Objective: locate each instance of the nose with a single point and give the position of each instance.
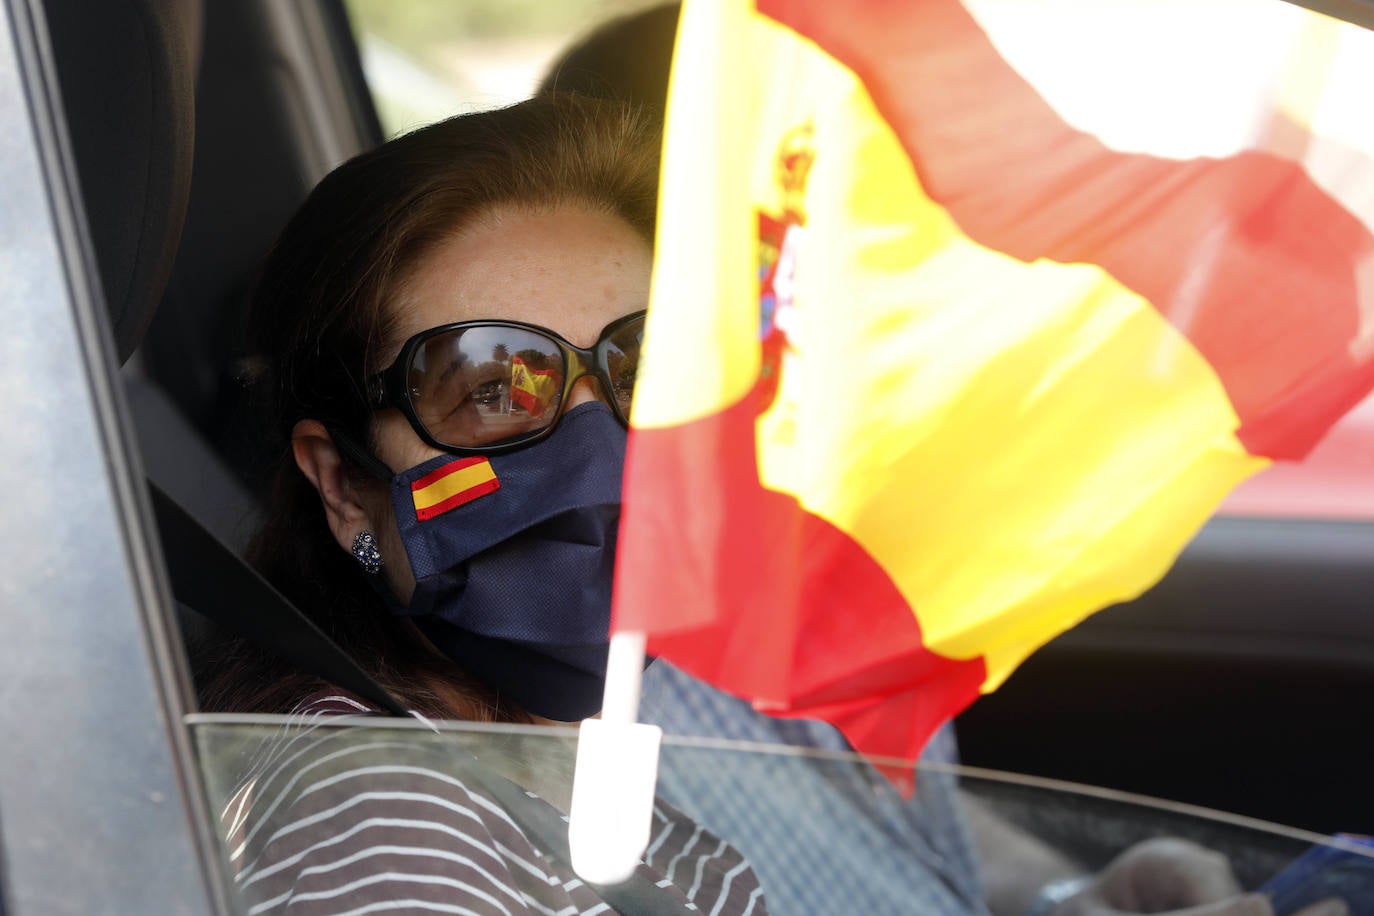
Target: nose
(587, 388)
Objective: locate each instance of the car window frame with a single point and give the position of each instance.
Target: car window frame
(101, 808)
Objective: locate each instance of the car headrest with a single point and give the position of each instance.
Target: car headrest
(126, 69)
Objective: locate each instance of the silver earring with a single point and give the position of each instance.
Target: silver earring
(366, 552)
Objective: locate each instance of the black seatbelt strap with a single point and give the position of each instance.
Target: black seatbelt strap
(541, 822)
(211, 579)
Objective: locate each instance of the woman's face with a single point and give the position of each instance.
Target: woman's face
(570, 269)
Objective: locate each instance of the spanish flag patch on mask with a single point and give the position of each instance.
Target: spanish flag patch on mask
(455, 484)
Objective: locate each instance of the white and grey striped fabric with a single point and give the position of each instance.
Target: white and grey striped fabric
(326, 823)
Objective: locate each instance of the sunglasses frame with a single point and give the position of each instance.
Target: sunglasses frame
(390, 387)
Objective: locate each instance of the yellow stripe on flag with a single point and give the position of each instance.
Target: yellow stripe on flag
(958, 373)
(1002, 520)
(453, 484)
(704, 197)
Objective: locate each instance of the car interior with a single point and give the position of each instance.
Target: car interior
(1239, 683)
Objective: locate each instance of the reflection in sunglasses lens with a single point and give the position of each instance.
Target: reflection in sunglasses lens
(622, 359)
(480, 386)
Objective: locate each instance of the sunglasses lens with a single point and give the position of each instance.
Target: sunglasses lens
(622, 359)
(483, 385)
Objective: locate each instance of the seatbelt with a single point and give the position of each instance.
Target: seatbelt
(211, 579)
(541, 822)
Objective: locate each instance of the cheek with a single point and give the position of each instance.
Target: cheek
(395, 562)
(398, 447)
(397, 570)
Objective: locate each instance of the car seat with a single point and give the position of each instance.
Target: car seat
(278, 104)
(126, 74)
(126, 70)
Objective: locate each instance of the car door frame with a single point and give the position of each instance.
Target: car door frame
(101, 809)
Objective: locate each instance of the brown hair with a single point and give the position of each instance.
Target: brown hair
(627, 58)
(321, 319)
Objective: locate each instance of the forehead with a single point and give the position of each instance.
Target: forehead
(570, 269)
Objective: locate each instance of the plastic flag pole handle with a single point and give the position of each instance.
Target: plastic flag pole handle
(613, 781)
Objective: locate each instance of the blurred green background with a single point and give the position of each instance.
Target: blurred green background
(428, 59)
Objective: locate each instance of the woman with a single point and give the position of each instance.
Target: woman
(452, 325)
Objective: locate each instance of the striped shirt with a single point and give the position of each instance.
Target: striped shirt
(348, 822)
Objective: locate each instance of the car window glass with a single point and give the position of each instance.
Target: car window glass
(1335, 480)
(424, 61)
(788, 809)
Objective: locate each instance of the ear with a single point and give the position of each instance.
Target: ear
(318, 458)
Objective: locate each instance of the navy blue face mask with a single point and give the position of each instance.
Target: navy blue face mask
(513, 559)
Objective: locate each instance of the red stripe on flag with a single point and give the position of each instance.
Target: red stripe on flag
(768, 601)
(453, 467)
(527, 401)
(1246, 256)
(490, 485)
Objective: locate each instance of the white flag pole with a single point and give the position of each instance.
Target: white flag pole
(617, 757)
(617, 767)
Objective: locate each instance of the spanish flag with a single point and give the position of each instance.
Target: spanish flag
(532, 389)
(456, 483)
(965, 318)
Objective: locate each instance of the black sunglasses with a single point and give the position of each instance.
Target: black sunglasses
(491, 386)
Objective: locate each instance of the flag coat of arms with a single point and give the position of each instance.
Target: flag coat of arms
(958, 334)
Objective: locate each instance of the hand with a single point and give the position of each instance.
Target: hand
(1179, 878)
